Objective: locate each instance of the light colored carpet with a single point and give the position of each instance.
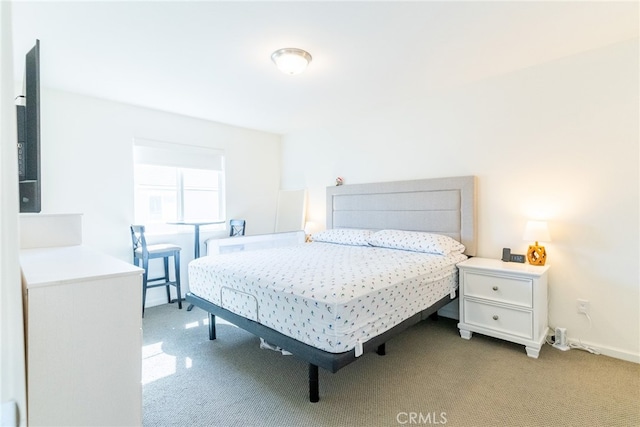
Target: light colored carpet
(430, 376)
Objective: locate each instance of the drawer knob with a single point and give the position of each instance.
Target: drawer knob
(495, 288)
(495, 317)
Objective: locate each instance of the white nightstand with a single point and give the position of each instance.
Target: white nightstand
(504, 300)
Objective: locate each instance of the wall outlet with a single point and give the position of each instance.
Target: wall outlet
(583, 306)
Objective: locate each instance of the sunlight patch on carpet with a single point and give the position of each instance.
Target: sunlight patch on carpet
(192, 325)
(156, 364)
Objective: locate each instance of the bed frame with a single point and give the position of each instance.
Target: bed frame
(442, 205)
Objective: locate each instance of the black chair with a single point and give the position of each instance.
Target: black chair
(236, 227)
(142, 253)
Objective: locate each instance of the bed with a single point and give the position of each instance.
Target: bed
(386, 261)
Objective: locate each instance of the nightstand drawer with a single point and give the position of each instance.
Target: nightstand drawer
(507, 320)
(510, 290)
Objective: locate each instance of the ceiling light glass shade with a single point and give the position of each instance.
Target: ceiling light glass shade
(291, 60)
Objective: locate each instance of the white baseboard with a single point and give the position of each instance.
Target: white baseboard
(616, 353)
(158, 296)
(451, 311)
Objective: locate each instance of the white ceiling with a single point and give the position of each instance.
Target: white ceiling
(211, 59)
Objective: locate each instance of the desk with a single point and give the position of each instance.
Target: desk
(196, 249)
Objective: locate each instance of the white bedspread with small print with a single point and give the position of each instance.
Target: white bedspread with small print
(330, 296)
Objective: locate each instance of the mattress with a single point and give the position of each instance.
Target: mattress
(330, 296)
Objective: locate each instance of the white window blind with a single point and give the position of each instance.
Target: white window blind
(160, 153)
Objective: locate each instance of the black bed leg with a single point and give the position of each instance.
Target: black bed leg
(212, 327)
(434, 316)
(314, 393)
(382, 349)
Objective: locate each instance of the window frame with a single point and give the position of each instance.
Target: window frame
(181, 158)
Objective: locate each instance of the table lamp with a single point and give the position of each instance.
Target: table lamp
(538, 232)
(310, 227)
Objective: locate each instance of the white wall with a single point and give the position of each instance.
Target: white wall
(557, 141)
(13, 386)
(87, 167)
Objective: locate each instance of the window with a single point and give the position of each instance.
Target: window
(176, 182)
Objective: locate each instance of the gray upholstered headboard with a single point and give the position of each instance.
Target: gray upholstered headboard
(440, 205)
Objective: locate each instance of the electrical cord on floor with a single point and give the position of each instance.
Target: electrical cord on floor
(580, 346)
(550, 338)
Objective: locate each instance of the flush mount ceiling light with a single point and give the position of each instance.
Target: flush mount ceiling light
(291, 60)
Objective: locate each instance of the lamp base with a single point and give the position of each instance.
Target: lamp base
(536, 255)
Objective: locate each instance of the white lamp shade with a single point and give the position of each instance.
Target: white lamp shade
(310, 227)
(291, 60)
(537, 231)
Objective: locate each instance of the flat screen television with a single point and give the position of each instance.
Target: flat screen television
(28, 127)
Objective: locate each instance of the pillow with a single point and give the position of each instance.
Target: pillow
(416, 241)
(344, 236)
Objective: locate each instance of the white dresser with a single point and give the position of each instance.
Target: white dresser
(504, 300)
(83, 327)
